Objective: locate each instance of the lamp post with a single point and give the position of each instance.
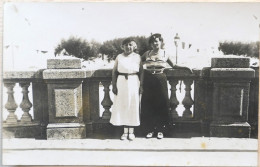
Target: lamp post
(176, 42)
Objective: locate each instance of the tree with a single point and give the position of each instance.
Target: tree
(239, 48)
(112, 48)
(78, 47)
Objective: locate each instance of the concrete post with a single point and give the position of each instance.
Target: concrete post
(64, 81)
(231, 83)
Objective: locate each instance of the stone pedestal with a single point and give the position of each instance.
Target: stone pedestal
(231, 82)
(66, 131)
(23, 130)
(240, 129)
(64, 81)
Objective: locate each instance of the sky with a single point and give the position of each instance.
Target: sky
(29, 27)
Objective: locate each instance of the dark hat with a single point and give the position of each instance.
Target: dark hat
(154, 36)
(127, 40)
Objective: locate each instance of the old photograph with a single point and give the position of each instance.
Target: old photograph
(130, 84)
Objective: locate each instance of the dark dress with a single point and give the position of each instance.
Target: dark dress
(155, 102)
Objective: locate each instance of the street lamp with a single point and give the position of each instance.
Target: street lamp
(176, 42)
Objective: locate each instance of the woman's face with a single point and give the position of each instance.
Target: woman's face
(129, 47)
(156, 44)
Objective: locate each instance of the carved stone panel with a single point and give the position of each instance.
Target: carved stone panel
(66, 102)
(231, 100)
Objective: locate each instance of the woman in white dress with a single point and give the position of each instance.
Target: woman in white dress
(127, 79)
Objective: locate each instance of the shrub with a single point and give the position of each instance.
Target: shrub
(239, 48)
(112, 48)
(78, 47)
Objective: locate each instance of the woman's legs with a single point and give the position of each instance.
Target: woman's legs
(131, 130)
(128, 131)
(155, 103)
(125, 134)
(147, 123)
(161, 105)
(131, 133)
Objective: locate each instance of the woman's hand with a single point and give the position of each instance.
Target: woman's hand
(141, 90)
(188, 69)
(183, 68)
(114, 90)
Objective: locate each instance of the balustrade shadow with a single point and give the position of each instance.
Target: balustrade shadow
(173, 131)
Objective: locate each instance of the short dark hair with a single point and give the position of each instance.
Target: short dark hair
(127, 40)
(154, 36)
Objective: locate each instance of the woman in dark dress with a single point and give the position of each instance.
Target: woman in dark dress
(155, 99)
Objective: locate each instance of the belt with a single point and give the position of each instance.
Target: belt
(126, 74)
(155, 70)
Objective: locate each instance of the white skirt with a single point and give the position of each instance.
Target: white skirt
(125, 109)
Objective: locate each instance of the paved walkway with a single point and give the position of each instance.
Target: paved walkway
(198, 151)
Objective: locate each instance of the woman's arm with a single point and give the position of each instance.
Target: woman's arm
(175, 66)
(114, 77)
(143, 57)
(141, 77)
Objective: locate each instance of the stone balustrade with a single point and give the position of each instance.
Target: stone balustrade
(26, 127)
(66, 100)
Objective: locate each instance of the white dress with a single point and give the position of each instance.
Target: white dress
(125, 109)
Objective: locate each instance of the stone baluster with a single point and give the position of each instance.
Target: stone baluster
(106, 102)
(10, 104)
(25, 104)
(173, 99)
(187, 101)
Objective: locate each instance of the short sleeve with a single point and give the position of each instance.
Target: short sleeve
(139, 58)
(116, 62)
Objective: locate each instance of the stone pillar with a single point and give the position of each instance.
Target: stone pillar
(40, 105)
(231, 82)
(64, 82)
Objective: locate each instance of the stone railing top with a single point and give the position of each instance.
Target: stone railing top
(64, 62)
(232, 73)
(204, 72)
(256, 71)
(65, 74)
(102, 73)
(106, 73)
(23, 74)
(230, 62)
(178, 73)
